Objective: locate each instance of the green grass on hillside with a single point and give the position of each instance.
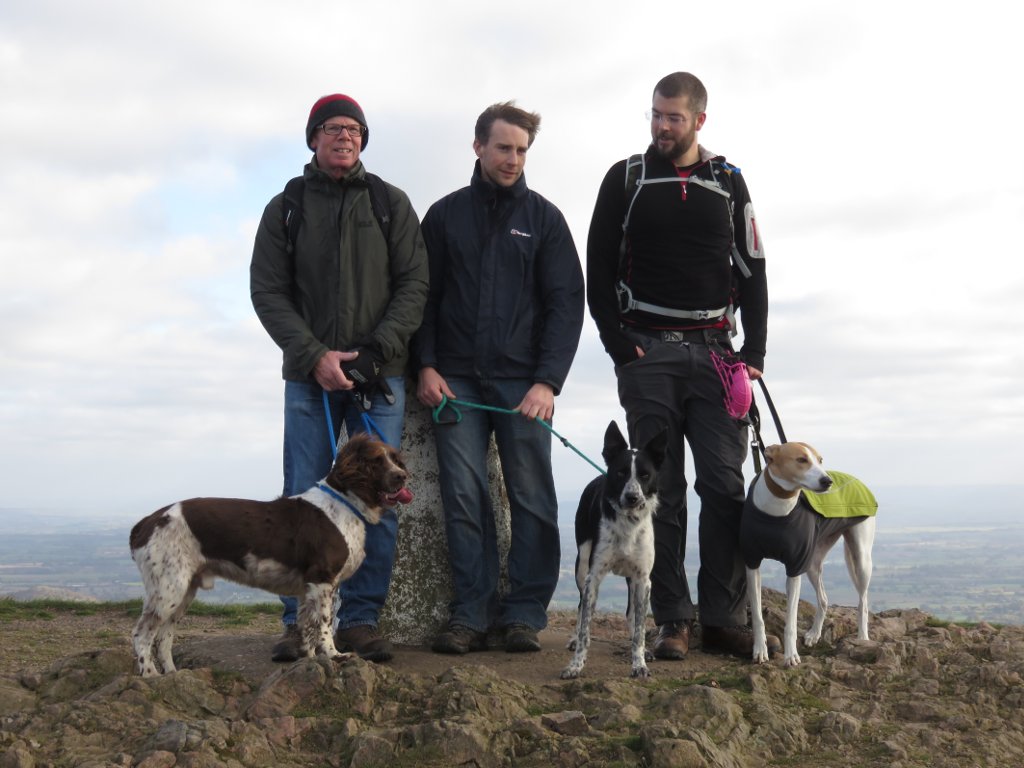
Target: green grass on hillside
(12, 610)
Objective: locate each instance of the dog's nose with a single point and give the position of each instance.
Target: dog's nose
(631, 498)
(826, 482)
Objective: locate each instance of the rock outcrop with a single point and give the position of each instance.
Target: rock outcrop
(919, 694)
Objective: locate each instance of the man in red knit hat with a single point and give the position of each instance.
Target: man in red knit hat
(339, 281)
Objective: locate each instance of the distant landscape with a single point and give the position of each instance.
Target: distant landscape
(956, 553)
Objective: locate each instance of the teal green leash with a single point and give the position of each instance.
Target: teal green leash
(453, 406)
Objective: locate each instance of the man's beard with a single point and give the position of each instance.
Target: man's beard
(677, 149)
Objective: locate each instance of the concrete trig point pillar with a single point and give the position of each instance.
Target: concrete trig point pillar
(421, 586)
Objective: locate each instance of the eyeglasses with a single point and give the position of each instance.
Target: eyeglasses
(335, 129)
(656, 117)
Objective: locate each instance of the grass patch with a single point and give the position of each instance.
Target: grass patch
(46, 609)
(11, 609)
(633, 743)
(321, 704)
(736, 682)
(931, 621)
(224, 680)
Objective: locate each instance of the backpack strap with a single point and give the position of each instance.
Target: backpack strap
(729, 170)
(381, 204)
(636, 179)
(291, 213)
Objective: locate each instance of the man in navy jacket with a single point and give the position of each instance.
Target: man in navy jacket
(501, 327)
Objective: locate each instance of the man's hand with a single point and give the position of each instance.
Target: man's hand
(432, 388)
(539, 402)
(328, 373)
(753, 373)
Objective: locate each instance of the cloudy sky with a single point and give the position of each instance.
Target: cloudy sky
(140, 142)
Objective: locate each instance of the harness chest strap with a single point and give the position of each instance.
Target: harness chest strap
(711, 185)
(627, 303)
(625, 295)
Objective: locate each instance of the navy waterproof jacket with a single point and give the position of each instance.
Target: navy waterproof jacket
(506, 286)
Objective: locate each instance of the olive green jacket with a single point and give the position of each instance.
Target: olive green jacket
(343, 286)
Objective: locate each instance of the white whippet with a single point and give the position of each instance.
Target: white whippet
(780, 525)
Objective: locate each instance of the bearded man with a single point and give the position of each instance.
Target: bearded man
(673, 252)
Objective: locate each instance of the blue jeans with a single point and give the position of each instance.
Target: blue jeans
(307, 460)
(524, 449)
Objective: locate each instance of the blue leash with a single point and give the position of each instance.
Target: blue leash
(452, 405)
(368, 425)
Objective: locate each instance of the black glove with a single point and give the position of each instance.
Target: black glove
(365, 372)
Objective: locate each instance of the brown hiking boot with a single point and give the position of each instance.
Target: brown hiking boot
(366, 641)
(459, 639)
(672, 641)
(735, 641)
(520, 638)
(289, 646)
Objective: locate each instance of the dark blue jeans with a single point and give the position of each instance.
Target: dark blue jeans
(524, 448)
(307, 460)
(675, 385)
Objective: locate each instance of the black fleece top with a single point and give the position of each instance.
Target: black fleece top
(678, 254)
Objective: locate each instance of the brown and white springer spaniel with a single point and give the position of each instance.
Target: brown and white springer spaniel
(301, 545)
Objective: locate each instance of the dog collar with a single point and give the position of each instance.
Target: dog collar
(777, 490)
(335, 495)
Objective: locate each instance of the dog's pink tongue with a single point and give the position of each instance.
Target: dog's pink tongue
(404, 496)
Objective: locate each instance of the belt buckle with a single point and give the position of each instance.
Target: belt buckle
(672, 336)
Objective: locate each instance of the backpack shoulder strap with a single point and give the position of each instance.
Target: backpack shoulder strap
(291, 214)
(636, 167)
(722, 173)
(381, 203)
(636, 172)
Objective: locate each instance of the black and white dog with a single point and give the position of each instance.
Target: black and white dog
(301, 545)
(614, 533)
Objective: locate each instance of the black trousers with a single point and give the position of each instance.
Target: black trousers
(675, 385)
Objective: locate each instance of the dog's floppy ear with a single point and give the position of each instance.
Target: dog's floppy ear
(614, 442)
(769, 453)
(656, 447)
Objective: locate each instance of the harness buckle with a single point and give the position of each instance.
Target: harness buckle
(625, 297)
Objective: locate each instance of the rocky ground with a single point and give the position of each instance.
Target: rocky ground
(918, 694)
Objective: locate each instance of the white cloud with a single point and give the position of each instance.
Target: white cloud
(140, 143)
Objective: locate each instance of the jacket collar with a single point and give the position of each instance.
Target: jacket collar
(490, 191)
(313, 173)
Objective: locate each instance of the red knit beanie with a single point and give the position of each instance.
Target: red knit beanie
(335, 105)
